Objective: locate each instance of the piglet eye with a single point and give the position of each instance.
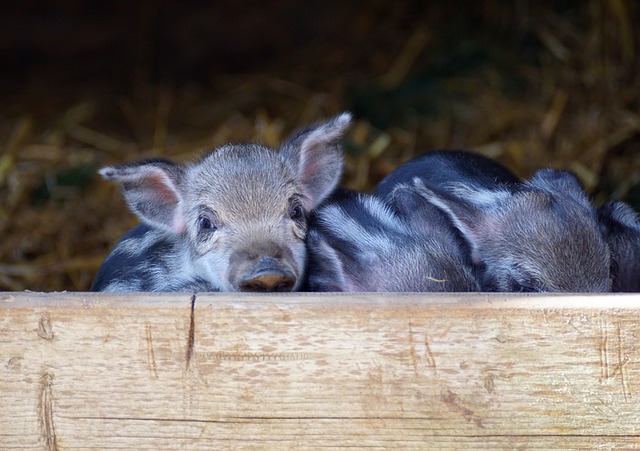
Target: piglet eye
(296, 213)
(206, 224)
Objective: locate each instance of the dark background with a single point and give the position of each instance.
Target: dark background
(85, 84)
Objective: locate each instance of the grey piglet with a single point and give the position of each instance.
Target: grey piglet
(234, 221)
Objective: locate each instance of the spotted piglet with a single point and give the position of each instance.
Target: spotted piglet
(539, 235)
(357, 242)
(234, 221)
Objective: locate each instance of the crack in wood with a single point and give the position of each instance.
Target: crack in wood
(259, 357)
(604, 355)
(45, 330)
(381, 419)
(623, 359)
(192, 331)
(607, 370)
(151, 358)
(45, 412)
(412, 351)
(431, 360)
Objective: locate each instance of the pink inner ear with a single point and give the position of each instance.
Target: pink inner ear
(314, 175)
(310, 160)
(309, 167)
(164, 188)
(179, 225)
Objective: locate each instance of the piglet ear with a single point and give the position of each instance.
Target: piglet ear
(470, 210)
(563, 183)
(412, 205)
(151, 189)
(316, 157)
(620, 214)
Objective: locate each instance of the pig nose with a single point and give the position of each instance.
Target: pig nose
(269, 281)
(267, 275)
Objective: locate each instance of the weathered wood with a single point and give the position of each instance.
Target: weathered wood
(402, 371)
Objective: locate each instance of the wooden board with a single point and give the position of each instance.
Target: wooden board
(314, 371)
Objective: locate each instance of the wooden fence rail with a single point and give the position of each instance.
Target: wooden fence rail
(314, 371)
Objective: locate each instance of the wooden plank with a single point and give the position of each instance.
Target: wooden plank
(314, 371)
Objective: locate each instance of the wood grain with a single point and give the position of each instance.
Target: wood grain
(314, 371)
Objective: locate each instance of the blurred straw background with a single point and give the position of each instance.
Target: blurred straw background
(85, 84)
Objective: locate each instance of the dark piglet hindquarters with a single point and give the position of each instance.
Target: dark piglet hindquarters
(357, 243)
(234, 221)
(536, 235)
(620, 225)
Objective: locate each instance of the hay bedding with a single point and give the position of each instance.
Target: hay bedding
(531, 84)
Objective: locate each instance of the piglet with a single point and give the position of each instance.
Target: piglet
(537, 235)
(357, 242)
(234, 221)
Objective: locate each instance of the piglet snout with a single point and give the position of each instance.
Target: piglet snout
(267, 275)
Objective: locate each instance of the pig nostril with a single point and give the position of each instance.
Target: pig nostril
(269, 281)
